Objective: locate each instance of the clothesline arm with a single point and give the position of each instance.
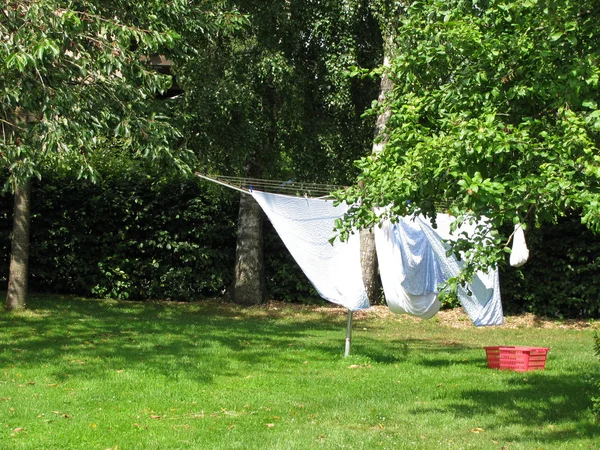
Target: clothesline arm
(243, 191)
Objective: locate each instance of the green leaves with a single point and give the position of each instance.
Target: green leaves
(18, 61)
(74, 75)
(46, 47)
(494, 113)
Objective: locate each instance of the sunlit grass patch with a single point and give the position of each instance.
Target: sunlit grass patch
(81, 374)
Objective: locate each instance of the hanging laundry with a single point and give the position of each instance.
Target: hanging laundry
(408, 268)
(519, 253)
(305, 226)
(481, 298)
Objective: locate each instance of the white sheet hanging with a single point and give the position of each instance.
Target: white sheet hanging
(305, 226)
(408, 269)
(413, 264)
(483, 303)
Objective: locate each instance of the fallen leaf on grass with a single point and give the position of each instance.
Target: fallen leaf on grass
(18, 430)
(153, 416)
(358, 366)
(269, 425)
(477, 430)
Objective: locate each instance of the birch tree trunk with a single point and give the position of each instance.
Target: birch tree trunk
(368, 253)
(249, 284)
(19, 256)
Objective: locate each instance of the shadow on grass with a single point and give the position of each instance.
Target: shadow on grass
(88, 338)
(428, 352)
(195, 339)
(539, 400)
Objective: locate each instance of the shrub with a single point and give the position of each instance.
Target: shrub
(561, 277)
(135, 234)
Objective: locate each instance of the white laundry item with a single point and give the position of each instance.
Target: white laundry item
(305, 226)
(519, 253)
(408, 269)
(481, 299)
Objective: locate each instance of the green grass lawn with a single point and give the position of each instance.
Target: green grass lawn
(85, 374)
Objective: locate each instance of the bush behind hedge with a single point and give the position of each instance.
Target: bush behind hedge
(134, 239)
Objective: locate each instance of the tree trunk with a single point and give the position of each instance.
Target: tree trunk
(385, 86)
(249, 285)
(19, 257)
(368, 253)
(370, 267)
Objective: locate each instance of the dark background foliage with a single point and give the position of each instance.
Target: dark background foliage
(141, 235)
(561, 277)
(132, 235)
(137, 234)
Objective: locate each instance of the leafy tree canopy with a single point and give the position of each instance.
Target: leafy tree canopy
(76, 76)
(494, 114)
(277, 95)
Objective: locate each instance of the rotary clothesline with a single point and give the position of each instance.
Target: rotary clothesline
(406, 258)
(333, 269)
(288, 187)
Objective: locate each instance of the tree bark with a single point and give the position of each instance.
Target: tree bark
(249, 284)
(19, 256)
(386, 85)
(368, 253)
(370, 267)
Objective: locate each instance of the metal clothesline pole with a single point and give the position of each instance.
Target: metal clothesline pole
(348, 334)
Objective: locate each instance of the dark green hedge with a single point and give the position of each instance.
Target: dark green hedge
(141, 236)
(131, 235)
(131, 238)
(561, 278)
(137, 235)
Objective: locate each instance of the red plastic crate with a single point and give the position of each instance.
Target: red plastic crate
(519, 359)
